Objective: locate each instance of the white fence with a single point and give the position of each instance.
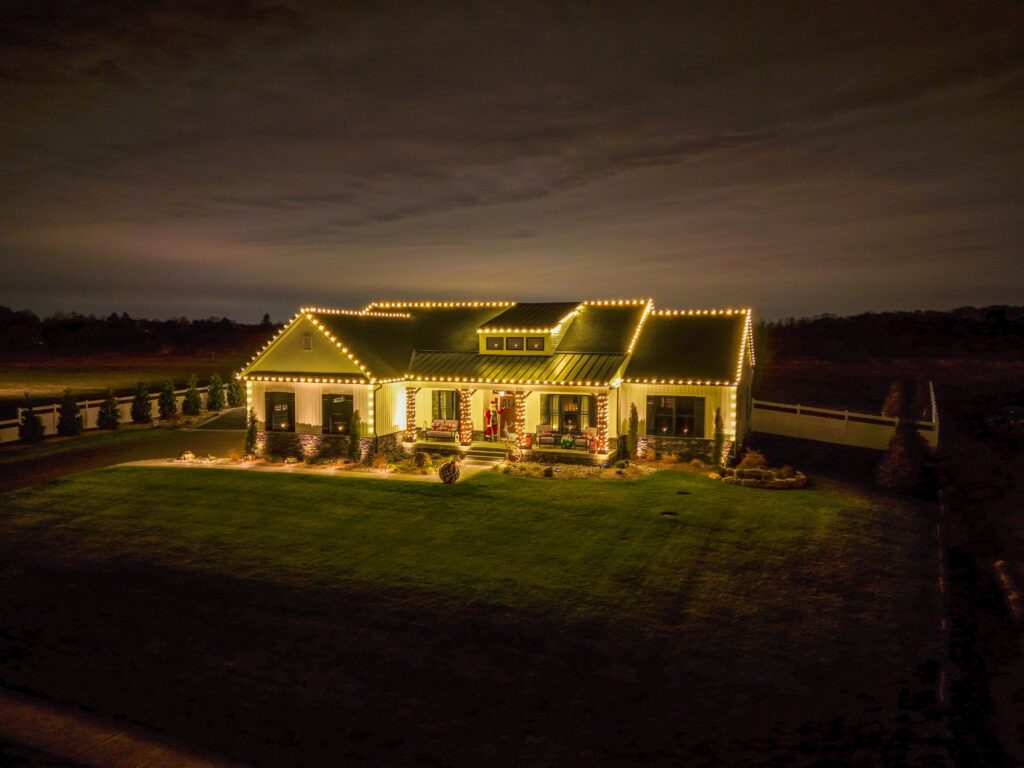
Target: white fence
(825, 425)
(90, 412)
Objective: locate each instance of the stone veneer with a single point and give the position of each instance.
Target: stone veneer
(300, 446)
(695, 447)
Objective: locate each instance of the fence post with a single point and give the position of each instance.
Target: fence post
(798, 409)
(54, 419)
(85, 415)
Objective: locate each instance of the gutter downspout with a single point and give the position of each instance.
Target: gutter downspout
(376, 438)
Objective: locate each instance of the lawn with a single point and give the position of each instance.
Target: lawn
(671, 616)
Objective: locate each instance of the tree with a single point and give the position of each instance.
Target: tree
(250, 433)
(70, 420)
(265, 322)
(633, 431)
(215, 393)
(30, 428)
(167, 403)
(193, 402)
(109, 416)
(354, 433)
(236, 393)
(141, 408)
(719, 443)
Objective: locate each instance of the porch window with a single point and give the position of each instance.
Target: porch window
(514, 342)
(444, 404)
(568, 413)
(675, 416)
(337, 414)
(279, 413)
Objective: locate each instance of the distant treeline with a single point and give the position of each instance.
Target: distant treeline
(70, 332)
(990, 333)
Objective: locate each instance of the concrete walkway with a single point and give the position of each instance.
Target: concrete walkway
(469, 468)
(87, 740)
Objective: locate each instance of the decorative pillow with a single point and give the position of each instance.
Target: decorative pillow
(543, 429)
(436, 426)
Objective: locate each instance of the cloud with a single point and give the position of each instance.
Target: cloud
(274, 133)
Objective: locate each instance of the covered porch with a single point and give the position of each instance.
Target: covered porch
(545, 420)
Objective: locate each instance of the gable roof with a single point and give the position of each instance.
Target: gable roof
(439, 341)
(691, 345)
(535, 316)
(603, 328)
(385, 341)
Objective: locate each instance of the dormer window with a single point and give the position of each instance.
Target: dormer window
(535, 343)
(514, 343)
(495, 343)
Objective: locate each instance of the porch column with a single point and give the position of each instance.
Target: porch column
(520, 417)
(602, 422)
(465, 416)
(410, 414)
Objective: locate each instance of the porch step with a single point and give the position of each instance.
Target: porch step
(486, 453)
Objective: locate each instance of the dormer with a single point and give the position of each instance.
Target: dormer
(527, 329)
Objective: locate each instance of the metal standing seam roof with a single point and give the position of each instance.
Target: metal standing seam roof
(534, 315)
(566, 366)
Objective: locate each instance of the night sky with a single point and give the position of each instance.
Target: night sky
(231, 158)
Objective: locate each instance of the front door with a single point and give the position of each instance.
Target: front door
(508, 416)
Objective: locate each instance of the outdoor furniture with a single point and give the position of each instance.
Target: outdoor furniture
(583, 441)
(443, 429)
(544, 435)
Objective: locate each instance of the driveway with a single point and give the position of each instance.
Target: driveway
(157, 444)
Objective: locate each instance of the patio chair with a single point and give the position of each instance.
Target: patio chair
(545, 435)
(583, 440)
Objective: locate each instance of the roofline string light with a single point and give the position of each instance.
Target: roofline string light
(640, 325)
(264, 348)
(356, 312)
(436, 304)
(337, 342)
(553, 329)
(464, 380)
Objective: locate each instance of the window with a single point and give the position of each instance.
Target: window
(535, 343)
(307, 341)
(669, 416)
(514, 342)
(279, 414)
(337, 414)
(444, 404)
(495, 343)
(568, 414)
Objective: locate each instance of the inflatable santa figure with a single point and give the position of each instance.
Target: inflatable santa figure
(492, 421)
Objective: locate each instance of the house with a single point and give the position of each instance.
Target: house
(562, 376)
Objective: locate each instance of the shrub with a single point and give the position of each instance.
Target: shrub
(167, 403)
(719, 442)
(697, 464)
(233, 456)
(109, 416)
(236, 393)
(30, 428)
(355, 432)
(70, 420)
(193, 402)
(421, 459)
(786, 471)
(215, 393)
(141, 408)
(633, 431)
(331, 450)
(549, 471)
(291, 460)
(381, 461)
(621, 464)
(250, 432)
(753, 460)
(902, 467)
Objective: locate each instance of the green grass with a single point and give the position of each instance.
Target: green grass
(751, 624)
(810, 563)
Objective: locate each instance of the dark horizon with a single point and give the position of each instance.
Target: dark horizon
(182, 159)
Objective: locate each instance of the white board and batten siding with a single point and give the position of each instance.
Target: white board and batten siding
(309, 401)
(714, 397)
